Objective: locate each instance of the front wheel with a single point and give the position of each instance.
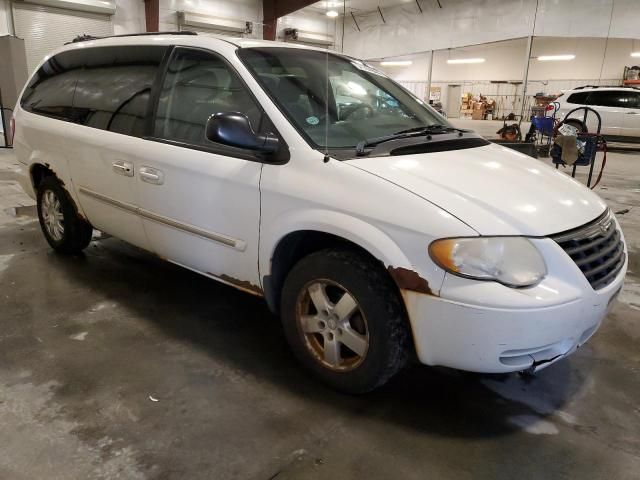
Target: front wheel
(344, 320)
(63, 228)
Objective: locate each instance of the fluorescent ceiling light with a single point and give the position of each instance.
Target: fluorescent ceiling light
(332, 13)
(635, 54)
(554, 58)
(457, 61)
(396, 63)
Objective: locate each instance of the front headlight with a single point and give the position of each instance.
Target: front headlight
(512, 261)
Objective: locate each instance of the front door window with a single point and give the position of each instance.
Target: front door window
(198, 85)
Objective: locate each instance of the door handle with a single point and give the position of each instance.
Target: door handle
(123, 168)
(151, 175)
(633, 113)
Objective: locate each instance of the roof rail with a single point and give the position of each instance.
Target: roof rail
(86, 38)
(588, 86)
(604, 86)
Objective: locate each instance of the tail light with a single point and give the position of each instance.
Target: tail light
(549, 108)
(12, 130)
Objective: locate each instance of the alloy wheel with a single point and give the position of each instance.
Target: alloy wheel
(333, 325)
(52, 215)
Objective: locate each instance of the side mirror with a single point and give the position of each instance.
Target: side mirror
(234, 129)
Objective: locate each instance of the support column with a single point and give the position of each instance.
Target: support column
(152, 15)
(269, 29)
(525, 76)
(272, 10)
(429, 76)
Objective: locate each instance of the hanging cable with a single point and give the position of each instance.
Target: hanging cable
(344, 16)
(606, 44)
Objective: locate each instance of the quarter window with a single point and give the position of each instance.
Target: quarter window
(198, 85)
(50, 91)
(108, 88)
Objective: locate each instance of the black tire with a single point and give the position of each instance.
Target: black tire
(76, 233)
(582, 128)
(378, 303)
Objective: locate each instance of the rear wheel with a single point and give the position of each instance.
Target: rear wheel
(581, 127)
(63, 228)
(344, 320)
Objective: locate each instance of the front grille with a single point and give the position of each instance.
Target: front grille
(596, 248)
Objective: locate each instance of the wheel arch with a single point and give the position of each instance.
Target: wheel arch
(576, 121)
(37, 172)
(344, 232)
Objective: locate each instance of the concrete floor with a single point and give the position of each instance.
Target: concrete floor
(117, 365)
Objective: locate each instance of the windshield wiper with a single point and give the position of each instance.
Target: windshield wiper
(408, 133)
(436, 127)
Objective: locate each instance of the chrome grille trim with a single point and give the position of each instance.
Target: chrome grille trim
(596, 248)
(589, 230)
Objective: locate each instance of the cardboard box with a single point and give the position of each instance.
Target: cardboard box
(478, 114)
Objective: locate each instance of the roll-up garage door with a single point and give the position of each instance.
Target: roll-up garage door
(208, 32)
(45, 28)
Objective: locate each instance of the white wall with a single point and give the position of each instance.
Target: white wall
(417, 71)
(129, 17)
(248, 10)
(469, 22)
(5, 18)
(308, 21)
(504, 61)
(589, 52)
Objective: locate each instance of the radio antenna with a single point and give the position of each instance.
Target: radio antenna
(326, 110)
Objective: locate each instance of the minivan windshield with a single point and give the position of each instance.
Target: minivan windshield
(336, 101)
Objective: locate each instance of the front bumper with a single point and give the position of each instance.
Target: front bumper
(487, 327)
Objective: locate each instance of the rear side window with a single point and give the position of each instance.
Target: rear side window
(114, 87)
(108, 88)
(578, 98)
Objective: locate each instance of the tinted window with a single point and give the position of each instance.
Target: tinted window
(114, 87)
(579, 98)
(197, 85)
(104, 87)
(613, 98)
(50, 91)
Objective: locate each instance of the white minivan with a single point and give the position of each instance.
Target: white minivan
(618, 107)
(370, 225)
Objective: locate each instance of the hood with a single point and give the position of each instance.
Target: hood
(493, 189)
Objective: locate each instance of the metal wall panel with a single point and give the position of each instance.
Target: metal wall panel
(206, 32)
(47, 28)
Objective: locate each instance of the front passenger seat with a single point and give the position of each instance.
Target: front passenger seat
(295, 102)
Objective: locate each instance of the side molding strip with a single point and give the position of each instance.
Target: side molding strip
(216, 237)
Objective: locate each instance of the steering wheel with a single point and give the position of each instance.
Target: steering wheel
(364, 110)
